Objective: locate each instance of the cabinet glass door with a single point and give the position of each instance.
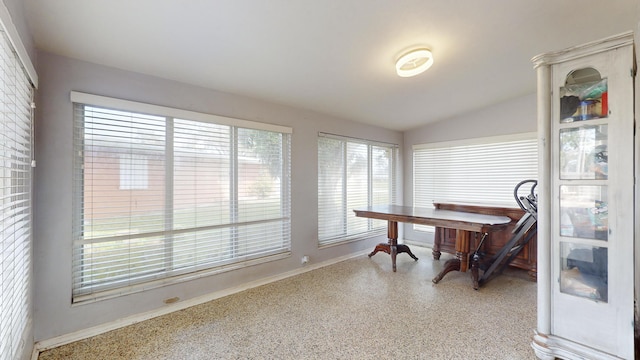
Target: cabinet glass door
(583, 271)
(585, 96)
(583, 160)
(584, 214)
(592, 233)
(584, 152)
(584, 211)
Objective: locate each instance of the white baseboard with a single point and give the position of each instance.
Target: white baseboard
(130, 320)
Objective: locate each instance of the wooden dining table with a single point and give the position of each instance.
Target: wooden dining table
(466, 225)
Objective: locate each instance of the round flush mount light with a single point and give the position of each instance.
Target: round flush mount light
(414, 62)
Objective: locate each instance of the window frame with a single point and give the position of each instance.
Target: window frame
(373, 227)
(85, 291)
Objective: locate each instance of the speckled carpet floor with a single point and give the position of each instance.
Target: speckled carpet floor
(356, 309)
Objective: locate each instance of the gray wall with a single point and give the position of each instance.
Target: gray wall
(510, 117)
(54, 314)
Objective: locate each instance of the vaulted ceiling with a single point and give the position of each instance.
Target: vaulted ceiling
(333, 56)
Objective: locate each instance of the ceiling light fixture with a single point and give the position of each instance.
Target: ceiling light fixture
(414, 62)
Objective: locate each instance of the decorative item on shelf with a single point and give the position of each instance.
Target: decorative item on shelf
(588, 109)
(568, 106)
(584, 101)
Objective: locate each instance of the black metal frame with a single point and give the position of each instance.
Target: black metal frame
(523, 232)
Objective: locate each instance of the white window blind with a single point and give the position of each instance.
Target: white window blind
(352, 173)
(15, 228)
(134, 172)
(201, 197)
(477, 171)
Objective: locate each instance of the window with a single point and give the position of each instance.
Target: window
(352, 173)
(15, 185)
(159, 198)
(477, 171)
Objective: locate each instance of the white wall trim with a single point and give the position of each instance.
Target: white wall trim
(14, 37)
(120, 323)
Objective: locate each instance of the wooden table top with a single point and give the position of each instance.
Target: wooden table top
(435, 217)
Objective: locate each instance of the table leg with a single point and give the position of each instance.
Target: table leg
(461, 262)
(405, 249)
(392, 248)
(462, 249)
(437, 240)
(449, 265)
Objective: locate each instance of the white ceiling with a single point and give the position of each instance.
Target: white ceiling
(332, 56)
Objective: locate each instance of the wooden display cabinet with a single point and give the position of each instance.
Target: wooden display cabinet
(586, 206)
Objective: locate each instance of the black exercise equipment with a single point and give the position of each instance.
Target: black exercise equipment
(524, 231)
